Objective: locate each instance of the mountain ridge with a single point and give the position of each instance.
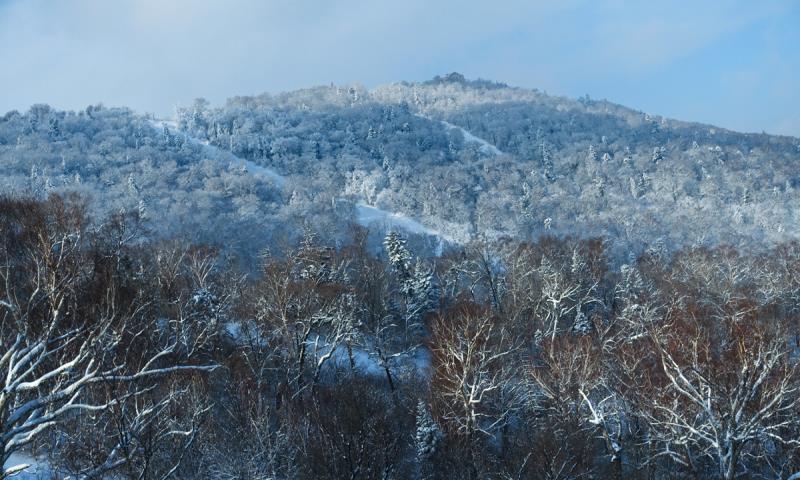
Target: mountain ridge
(529, 93)
(464, 158)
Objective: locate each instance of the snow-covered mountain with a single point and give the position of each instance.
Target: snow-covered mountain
(448, 279)
(448, 160)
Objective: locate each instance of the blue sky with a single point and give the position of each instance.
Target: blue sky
(733, 63)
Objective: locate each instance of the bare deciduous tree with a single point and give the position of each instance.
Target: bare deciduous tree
(474, 371)
(716, 390)
(67, 325)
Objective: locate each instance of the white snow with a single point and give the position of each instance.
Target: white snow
(454, 233)
(37, 469)
(416, 361)
(485, 147)
(160, 123)
(214, 152)
(367, 215)
(234, 329)
(258, 170)
(245, 332)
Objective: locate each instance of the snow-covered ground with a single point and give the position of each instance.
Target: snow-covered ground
(485, 147)
(373, 217)
(37, 469)
(224, 156)
(415, 361)
(366, 215)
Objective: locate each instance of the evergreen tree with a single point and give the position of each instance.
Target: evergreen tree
(658, 154)
(592, 153)
(426, 440)
(581, 325)
(399, 257)
(142, 209)
(166, 136)
(420, 291)
(54, 130)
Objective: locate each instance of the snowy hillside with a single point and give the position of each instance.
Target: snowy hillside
(449, 279)
(450, 157)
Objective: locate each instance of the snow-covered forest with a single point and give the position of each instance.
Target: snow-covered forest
(497, 161)
(448, 279)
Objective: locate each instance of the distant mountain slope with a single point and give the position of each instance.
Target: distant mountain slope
(456, 157)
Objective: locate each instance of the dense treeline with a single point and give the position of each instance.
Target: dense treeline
(131, 357)
(467, 159)
(550, 165)
(128, 164)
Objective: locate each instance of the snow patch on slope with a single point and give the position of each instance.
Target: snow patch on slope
(34, 468)
(416, 361)
(447, 233)
(485, 147)
(223, 156)
(366, 215)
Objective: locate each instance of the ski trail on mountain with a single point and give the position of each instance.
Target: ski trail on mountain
(485, 147)
(224, 155)
(366, 215)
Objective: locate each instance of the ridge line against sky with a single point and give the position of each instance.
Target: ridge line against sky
(735, 64)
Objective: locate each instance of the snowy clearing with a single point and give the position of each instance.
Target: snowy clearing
(454, 233)
(416, 361)
(485, 147)
(223, 155)
(366, 215)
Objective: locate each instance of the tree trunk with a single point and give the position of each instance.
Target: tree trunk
(389, 377)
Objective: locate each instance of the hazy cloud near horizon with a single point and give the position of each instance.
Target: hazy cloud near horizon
(731, 63)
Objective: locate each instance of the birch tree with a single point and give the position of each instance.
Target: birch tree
(68, 325)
